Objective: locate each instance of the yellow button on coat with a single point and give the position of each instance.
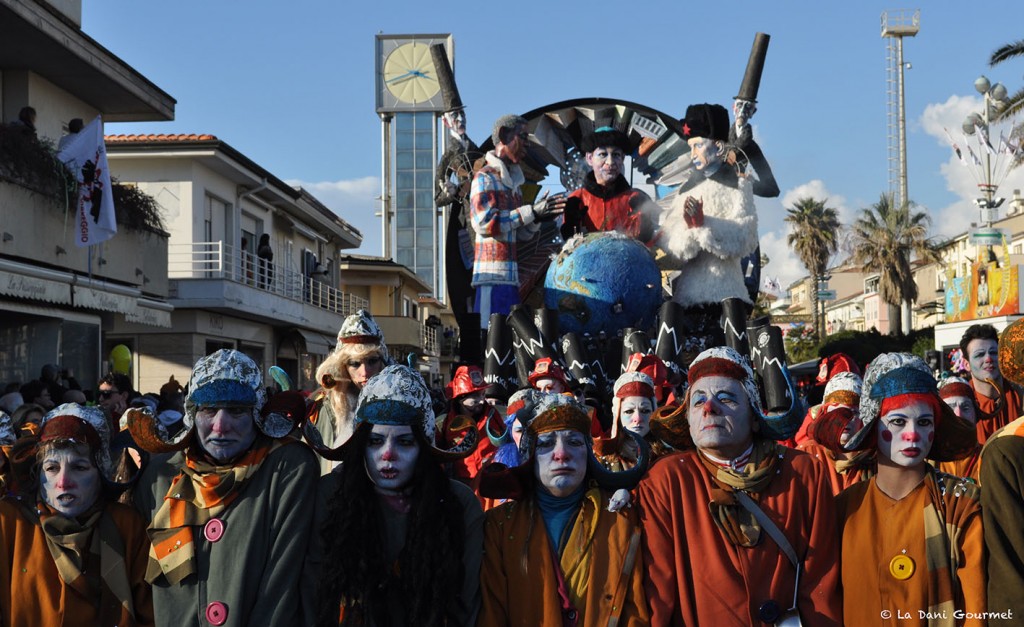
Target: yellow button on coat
(901, 567)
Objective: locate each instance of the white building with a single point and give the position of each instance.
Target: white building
(217, 203)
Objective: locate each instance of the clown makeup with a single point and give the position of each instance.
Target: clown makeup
(561, 461)
(68, 480)
(720, 416)
(607, 163)
(852, 427)
(474, 404)
(225, 432)
(635, 414)
(391, 455)
(906, 434)
(549, 384)
(963, 407)
(705, 153)
(360, 370)
(983, 357)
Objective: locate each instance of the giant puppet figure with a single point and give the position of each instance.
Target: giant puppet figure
(454, 175)
(710, 227)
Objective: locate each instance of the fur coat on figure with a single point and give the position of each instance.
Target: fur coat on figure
(708, 256)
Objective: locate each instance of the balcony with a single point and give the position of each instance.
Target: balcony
(215, 275)
(409, 334)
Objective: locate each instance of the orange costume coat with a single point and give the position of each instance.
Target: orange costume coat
(1009, 412)
(32, 593)
(696, 576)
(876, 529)
(839, 481)
(518, 583)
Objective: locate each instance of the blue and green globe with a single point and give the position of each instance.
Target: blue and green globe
(603, 282)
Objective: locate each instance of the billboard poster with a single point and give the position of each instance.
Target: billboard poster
(987, 292)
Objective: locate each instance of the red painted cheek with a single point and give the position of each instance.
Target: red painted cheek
(887, 436)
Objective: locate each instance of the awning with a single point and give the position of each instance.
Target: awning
(151, 312)
(315, 343)
(35, 288)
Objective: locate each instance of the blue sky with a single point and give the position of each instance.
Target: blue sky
(291, 85)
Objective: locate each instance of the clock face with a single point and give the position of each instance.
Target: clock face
(409, 74)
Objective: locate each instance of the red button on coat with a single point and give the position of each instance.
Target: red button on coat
(214, 529)
(217, 613)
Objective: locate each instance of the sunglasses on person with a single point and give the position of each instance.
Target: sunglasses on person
(108, 393)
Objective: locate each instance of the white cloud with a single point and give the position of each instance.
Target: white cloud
(816, 189)
(962, 180)
(355, 201)
(783, 263)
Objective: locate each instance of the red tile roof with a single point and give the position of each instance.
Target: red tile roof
(180, 137)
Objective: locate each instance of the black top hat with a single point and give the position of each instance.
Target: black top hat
(706, 120)
(445, 76)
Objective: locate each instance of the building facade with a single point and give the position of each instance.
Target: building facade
(281, 309)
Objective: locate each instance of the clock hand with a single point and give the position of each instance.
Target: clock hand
(392, 80)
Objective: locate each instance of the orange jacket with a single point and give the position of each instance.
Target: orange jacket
(33, 594)
(518, 583)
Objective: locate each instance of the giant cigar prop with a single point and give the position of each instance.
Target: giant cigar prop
(782, 407)
(499, 360)
(734, 324)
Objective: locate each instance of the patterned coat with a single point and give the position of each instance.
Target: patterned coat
(499, 220)
(253, 568)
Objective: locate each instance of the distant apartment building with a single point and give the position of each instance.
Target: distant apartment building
(219, 205)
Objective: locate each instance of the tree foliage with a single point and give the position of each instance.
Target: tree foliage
(814, 237)
(1005, 53)
(885, 240)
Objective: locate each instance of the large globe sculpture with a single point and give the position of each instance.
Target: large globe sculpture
(603, 282)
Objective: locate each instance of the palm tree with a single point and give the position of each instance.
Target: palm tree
(814, 237)
(885, 238)
(1009, 51)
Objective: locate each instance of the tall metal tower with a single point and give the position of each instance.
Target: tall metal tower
(896, 25)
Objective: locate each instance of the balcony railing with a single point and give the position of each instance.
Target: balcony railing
(217, 260)
(429, 340)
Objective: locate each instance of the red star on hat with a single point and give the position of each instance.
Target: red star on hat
(686, 130)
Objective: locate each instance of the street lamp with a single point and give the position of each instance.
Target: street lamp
(995, 101)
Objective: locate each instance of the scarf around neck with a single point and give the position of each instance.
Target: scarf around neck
(91, 539)
(201, 491)
(737, 524)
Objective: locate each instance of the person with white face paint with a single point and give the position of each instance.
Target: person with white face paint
(69, 553)
(998, 401)
(740, 575)
(957, 393)
(359, 355)
(837, 417)
(633, 405)
(911, 536)
(554, 554)
(230, 498)
(396, 541)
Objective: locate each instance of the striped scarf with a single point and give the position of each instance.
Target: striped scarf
(95, 542)
(201, 491)
(951, 506)
(737, 524)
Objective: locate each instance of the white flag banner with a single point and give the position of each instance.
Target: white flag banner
(86, 157)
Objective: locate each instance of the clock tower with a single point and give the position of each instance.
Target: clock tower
(409, 103)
